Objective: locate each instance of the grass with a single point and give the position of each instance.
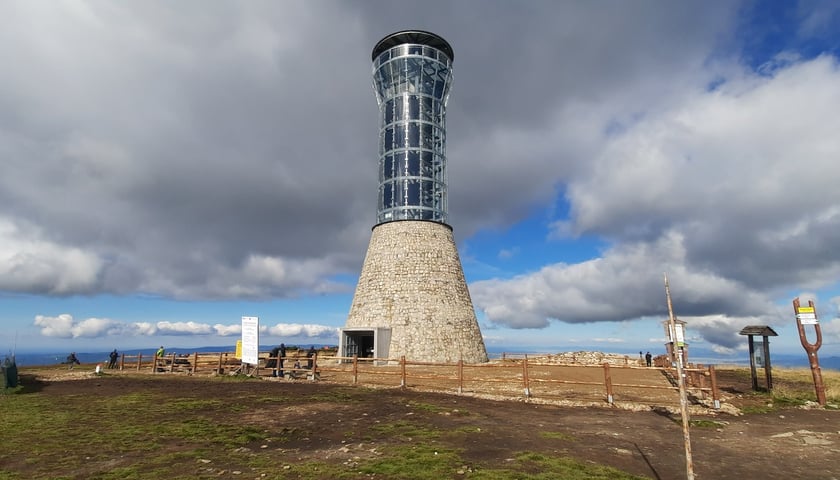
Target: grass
(792, 387)
(152, 434)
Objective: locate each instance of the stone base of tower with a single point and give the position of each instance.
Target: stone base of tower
(413, 297)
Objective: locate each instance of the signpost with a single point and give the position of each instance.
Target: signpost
(808, 316)
(677, 336)
(251, 340)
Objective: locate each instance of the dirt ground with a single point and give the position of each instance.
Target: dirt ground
(789, 443)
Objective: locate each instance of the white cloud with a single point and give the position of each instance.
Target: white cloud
(29, 262)
(732, 192)
(64, 326)
(285, 330)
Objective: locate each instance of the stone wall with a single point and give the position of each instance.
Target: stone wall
(412, 282)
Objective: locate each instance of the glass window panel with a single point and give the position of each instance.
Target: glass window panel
(414, 135)
(426, 165)
(389, 111)
(388, 195)
(415, 50)
(399, 164)
(428, 109)
(399, 136)
(389, 139)
(412, 196)
(428, 136)
(439, 89)
(388, 167)
(413, 107)
(413, 165)
(428, 192)
(398, 109)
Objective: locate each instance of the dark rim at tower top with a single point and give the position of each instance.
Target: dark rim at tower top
(421, 37)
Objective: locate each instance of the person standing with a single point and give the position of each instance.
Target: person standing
(309, 355)
(113, 356)
(272, 360)
(281, 355)
(648, 358)
(160, 352)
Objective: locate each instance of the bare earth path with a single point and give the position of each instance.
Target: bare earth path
(787, 444)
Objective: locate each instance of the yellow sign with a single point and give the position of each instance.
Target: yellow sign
(238, 353)
(805, 310)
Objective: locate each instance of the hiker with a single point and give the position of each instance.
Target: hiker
(309, 354)
(281, 355)
(272, 360)
(160, 352)
(113, 356)
(648, 358)
(72, 360)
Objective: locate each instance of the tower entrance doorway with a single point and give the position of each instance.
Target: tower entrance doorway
(364, 342)
(359, 344)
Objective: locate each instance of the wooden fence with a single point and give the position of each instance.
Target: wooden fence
(509, 377)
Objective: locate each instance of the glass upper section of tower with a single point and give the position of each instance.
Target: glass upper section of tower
(412, 75)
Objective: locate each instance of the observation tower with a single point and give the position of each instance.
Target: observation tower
(412, 299)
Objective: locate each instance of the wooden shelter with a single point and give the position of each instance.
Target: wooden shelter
(764, 331)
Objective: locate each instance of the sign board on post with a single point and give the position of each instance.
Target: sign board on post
(807, 316)
(251, 340)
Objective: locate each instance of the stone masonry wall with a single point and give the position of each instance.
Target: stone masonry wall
(412, 282)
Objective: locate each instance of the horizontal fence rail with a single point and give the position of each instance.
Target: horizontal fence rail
(525, 376)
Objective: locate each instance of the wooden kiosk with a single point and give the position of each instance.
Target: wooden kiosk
(765, 332)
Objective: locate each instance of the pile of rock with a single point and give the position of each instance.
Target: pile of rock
(585, 358)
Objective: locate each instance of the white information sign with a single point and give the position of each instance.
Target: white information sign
(251, 340)
(807, 316)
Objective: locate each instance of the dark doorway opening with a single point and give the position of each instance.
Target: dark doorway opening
(358, 343)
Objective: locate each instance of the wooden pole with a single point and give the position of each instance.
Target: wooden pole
(713, 378)
(402, 372)
(460, 376)
(608, 383)
(355, 369)
(753, 374)
(689, 464)
(811, 349)
(525, 379)
(768, 375)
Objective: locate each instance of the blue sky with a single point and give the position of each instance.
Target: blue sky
(171, 167)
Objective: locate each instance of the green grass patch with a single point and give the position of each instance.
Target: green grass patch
(543, 467)
(557, 436)
(417, 461)
(706, 423)
(405, 430)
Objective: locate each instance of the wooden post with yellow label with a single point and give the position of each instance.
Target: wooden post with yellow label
(808, 316)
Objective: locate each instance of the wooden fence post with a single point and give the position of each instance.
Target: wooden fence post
(172, 364)
(194, 363)
(219, 369)
(525, 379)
(139, 360)
(608, 383)
(355, 369)
(402, 372)
(460, 376)
(122, 362)
(713, 378)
